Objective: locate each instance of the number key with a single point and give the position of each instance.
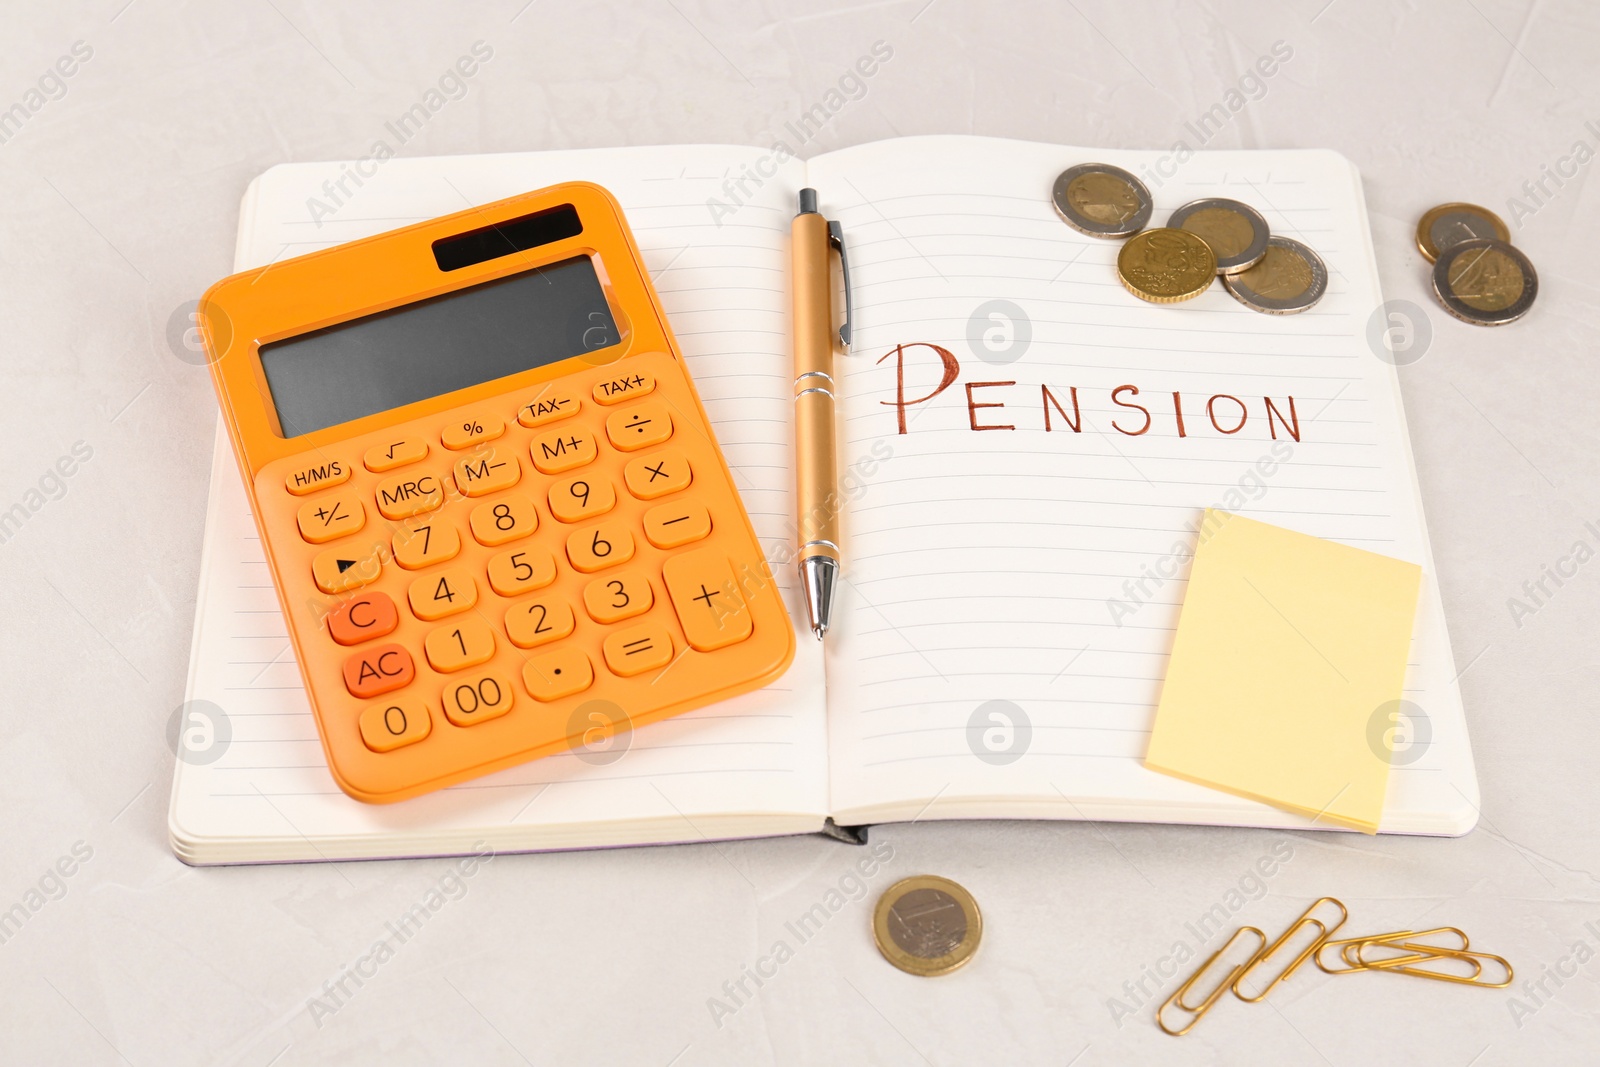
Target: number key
(522, 571)
(334, 516)
(504, 520)
(467, 643)
(597, 547)
(621, 597)
(434, 596)
(474, 700)
(538, 622)
(422, 546)
(582, 498)
(386, 727)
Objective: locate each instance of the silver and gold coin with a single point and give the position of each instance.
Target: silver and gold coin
(1485, 282)
(1236, 232)
(1101, 200)
(1166, 265)
(1450, 224)
(1290, 278)
(927, 925)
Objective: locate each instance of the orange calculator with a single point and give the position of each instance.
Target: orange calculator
(495, 512)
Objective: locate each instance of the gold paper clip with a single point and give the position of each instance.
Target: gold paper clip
(1408, 964)
(1352, 964)
(1310, 950)
(1222, 986)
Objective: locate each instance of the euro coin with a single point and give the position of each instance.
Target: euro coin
(927, 925)
(1485, 282)
(1101, 200)
(1165, 265)
(1236, 232)
(1289, 279)
(1450, 224)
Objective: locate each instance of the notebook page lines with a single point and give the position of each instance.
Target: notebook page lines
(1027, 537)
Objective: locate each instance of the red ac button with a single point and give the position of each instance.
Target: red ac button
(378, 670)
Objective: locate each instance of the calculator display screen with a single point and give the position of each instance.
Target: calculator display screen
(437, 346)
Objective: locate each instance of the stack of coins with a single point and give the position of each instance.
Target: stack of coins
(1477, 275)
(1202, 240)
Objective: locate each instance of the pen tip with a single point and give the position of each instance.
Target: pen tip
(819, 629)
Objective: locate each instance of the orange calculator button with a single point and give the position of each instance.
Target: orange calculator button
(504, 520)
(622, 597)
(424, 545)
(597, 547)
(363, 618)
(576, 499)
(474, 700)
(552, 405)
(488, 470)
(658, 474)
(321, 474)
(557, 674)
(386, 727)
(679, 523)
(707, 599)
(392, 454)
(640, 426)
(623, 387)
(332, 516)
(643, 648)
(446, 592)
(521, 571)
(538, 622)
(336, 570)
(379, 669)
(472, 430)
(401, 496)
(455, 647)
(562, 450)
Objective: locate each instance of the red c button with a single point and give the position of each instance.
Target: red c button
(363, 618)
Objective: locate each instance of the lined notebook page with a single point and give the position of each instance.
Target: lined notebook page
(1043, 568)
(762, 754)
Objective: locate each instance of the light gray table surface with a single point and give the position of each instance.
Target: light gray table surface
(121, 191)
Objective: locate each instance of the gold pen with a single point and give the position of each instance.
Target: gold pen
(815, 455)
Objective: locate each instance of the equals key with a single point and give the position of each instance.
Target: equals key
(639, 649)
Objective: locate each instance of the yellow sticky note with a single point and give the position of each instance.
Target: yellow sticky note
(1287, 648)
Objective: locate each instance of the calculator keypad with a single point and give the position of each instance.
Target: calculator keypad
(486, 571)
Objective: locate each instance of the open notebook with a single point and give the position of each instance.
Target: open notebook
(1010, 595)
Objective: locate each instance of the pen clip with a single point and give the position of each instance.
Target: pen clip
(836, 239)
